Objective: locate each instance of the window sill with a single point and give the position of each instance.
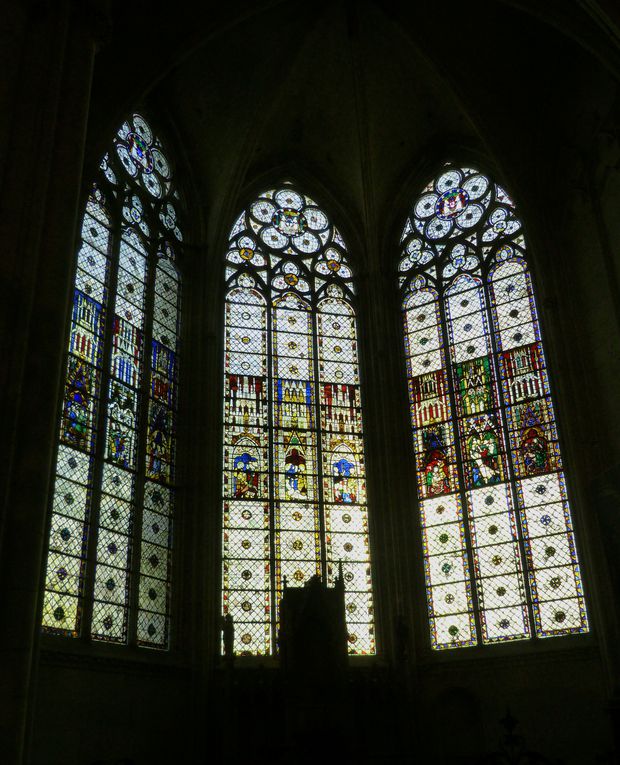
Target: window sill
(521, 652)
(80, 652)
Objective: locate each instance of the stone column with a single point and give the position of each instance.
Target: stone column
(42, 137)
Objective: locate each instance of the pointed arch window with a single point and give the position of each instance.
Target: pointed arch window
(294, 497)
(109, 548)
(499, 550)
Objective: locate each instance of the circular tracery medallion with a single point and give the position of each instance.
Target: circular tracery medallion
(289, 222)
(140, 152)
(451, 203)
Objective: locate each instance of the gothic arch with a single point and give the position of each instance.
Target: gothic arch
(292, 386)
(109, 550)
(499, 551)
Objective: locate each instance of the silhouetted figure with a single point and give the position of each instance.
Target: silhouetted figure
(228, 630)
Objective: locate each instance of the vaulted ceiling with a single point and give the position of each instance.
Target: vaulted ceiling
(357, 99)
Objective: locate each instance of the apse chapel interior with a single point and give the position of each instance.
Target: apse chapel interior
(310, 290)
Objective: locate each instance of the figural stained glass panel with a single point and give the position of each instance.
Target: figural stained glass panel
(499, 550)
(294, 502)
(108, 567)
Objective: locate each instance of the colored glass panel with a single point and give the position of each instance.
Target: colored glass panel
(247, 523)
(72, 498)
(446, 566)
(344, 480)
(295, 467)
(114, 549)
(555, 578)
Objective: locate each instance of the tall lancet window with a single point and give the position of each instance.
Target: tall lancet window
(108, 565)
(294, 497)
(499, 550)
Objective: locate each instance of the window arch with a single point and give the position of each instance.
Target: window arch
(108, 564)
(499, 551)
(294, 497)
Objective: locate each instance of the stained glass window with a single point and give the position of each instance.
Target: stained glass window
(294, 502)
(499, 550)
(108, 565)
